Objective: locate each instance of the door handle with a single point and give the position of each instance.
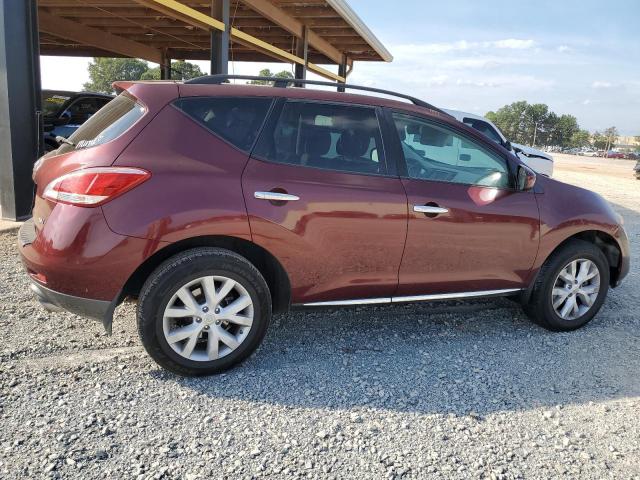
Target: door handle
(432, 209)
(275, 196)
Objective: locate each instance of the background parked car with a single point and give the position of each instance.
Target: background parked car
(63, 112)
(538, 160)
(612, 154)
(637, 170)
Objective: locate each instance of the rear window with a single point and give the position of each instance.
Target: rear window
(108, 123)
(236, 120)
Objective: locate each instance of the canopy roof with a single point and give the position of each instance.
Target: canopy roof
(156, 29)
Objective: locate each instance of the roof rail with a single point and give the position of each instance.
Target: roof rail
(284, 82)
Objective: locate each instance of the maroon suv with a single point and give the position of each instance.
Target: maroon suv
(216, 205)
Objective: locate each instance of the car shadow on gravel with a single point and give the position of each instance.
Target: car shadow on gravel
(448, 357)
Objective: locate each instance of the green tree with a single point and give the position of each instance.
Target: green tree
(104, 71)
(180, 70)
(581, 138)
(562, 131)
(511, 120)
(536, 116)
(267, 73)
(611, 134)
(535, 124)
(599, 140)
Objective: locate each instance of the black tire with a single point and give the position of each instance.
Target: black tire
(540, 308)
(176, 272)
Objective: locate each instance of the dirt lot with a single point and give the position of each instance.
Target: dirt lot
(430, 390)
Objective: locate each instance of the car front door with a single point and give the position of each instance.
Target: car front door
(469, 230)
(321, 197)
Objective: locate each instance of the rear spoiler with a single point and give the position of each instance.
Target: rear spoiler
(121, 85)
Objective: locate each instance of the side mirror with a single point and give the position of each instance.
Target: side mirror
(526, 178)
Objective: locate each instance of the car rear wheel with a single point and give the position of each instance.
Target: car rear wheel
(570, 288)
(203, 311)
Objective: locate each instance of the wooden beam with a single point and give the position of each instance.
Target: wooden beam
(93, 37)
(295, 27)
(180, 11)
(197, 19)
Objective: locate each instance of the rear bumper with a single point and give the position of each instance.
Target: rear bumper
(85, 307)
(76, 263)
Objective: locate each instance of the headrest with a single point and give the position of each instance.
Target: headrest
(353, 143)
(316, 141)
(434, 137)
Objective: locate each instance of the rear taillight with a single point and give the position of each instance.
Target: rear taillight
(91, 187)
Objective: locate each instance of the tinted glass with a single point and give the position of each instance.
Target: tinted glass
(484, 128)
(335, 137)
(52, 102)
(83, 109)
(432, 152)
(107, 124)
(237, 120)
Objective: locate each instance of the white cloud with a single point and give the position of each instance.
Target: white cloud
(600, 84)
(410, 50)
(512, 43)
(563, 49)
(587, 101)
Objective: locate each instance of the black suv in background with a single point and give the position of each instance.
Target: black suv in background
(63, 113)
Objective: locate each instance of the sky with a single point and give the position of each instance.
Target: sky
(580, 57)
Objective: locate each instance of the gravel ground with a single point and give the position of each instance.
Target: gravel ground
(437, 390)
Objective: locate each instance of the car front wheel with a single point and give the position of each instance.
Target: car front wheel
(570, 288)
(203, 311)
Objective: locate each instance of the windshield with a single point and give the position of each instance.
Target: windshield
(52, 102)
(108, 123)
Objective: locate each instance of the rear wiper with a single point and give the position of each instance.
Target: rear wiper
(61, 139)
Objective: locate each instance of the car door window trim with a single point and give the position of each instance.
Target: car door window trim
(275, 115)
(485, 143)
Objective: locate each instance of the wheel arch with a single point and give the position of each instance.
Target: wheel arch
(603, 240)
(268, 265)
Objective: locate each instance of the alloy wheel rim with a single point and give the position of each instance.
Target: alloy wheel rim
(575, 289)
(208, 318)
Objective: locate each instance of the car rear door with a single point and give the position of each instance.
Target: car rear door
(323, 199)
(469, 230)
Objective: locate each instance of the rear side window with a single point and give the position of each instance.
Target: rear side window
(329, 136)
(108, 123)
(236, 120)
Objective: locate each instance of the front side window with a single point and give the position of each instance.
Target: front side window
(236, 120)
(433, 152)
(329, 136)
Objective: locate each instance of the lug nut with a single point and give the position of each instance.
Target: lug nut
(217, 322)
(217, 310)
(198, 319)
(205, 309)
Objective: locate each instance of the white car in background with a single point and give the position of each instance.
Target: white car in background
(538, 160)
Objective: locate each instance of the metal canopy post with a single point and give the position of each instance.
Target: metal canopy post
(342, 72)
(165, 67)
(20, 105)
(302, 51)
(220, 39)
